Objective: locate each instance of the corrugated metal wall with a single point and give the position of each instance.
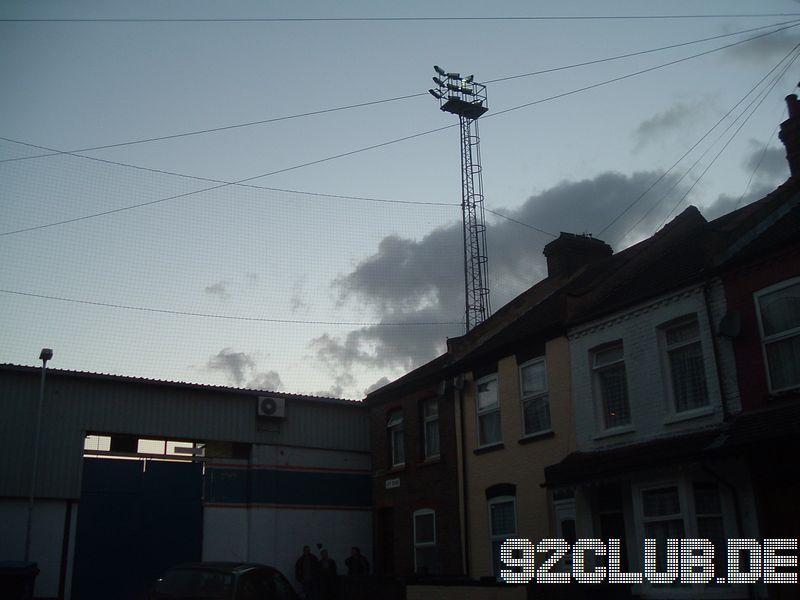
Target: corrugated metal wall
(77, 404)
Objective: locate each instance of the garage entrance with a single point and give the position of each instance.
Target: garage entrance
(135, 519)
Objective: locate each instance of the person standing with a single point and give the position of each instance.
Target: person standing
(327, 577)
(306, 571)
(357, 564)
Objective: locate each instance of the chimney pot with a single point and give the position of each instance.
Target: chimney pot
(790, 135)
(569, 252)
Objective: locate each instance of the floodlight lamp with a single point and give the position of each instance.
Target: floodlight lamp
(438, 82)
(435, 94)
(453, 88)
(439, 70)
(454, 75)
(469, 78)
(46, 354)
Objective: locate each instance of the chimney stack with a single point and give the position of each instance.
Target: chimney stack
(790, 135)
(569, 252)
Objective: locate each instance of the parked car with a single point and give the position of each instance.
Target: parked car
(223, 581)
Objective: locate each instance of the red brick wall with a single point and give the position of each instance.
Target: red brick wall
(431, 485)
(740, 285)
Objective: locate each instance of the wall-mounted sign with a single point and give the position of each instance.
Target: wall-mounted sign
(392, 483)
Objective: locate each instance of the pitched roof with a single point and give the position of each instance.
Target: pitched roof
(685, 250)
(85, 375)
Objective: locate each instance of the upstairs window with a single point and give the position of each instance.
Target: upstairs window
(779, 321)
(687, 372)
(488, 411)
(394, 429)
(611, 386)
(535, 399)
(430, 427)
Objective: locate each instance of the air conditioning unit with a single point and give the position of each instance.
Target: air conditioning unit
(269, 406)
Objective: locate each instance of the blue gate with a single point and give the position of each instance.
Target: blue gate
(135, 519)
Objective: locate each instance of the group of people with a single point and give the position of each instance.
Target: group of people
(318, 577)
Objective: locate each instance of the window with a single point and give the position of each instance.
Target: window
(394, 428)
(687, 375)
(684, 509)
(488, 411)
(503, 525)
(430, 427)
(708, 511)
(779, 320)
(663, 519)
(535, 400)
(611, 386)
(425, 541)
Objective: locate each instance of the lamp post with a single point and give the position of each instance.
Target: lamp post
(45, 355)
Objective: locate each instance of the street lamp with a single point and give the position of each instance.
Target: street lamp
(45, 355)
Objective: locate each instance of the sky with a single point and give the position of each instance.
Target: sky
(311, 243)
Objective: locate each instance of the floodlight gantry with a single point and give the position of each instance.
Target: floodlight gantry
(467, 99)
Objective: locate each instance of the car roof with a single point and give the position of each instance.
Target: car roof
(220, 566)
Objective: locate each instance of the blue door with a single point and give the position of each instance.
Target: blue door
(135, 519)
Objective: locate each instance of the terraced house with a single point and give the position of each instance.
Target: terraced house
(651, 393)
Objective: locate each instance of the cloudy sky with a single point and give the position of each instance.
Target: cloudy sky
(296, 225)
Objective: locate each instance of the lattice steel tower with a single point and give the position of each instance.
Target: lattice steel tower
(467, 99)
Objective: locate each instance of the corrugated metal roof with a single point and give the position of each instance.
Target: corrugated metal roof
(184, 384)
(79, 403)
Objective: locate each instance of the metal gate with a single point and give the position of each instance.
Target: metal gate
(135, 519)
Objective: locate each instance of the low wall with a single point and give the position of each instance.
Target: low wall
(448, 592)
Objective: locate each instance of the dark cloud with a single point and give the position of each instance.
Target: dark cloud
(768, 163)
(219, 289)
(763, 49)
(240, 368)
(269, 380)
(341, 382)
(297, 295)
(677, 116)
(768, 168)
(415, 281)
(377, 385)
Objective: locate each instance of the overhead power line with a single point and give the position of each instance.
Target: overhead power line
(760, 100)
(390, 19)
(231, 317)
(382, 144)
(393, 99)
(685, 154)
(641, 72)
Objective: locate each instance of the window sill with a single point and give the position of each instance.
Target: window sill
(397, 468)
(489, 448)
(688, 415)
(534, 437)
(614, 431)
(434, 460)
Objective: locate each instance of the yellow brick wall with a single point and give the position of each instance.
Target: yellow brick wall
(520, 464)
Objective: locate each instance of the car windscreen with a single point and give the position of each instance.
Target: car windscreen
(195, 584)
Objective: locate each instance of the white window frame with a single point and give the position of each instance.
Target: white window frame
(432, 544)
(426, 420)
(667, 363)
(688, 514)
(504, 536)
(394, 427)
(600, 401)
(482, 412)
(535, 396)
(765, 340)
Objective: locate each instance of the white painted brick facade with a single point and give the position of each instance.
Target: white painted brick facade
(639, 330)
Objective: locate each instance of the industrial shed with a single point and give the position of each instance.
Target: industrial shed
(135, 475)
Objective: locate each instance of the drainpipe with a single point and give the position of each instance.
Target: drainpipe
(459, 390)
(715, 351)
(736, 508)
